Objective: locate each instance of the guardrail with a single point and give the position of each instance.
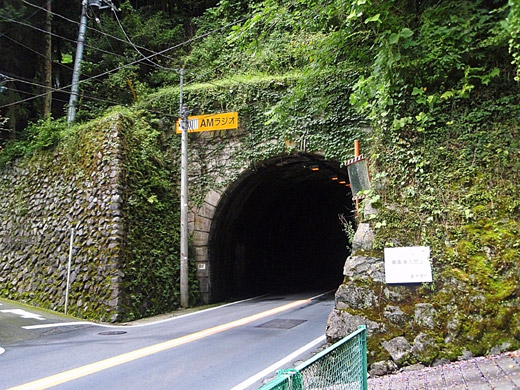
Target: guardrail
(342, 366)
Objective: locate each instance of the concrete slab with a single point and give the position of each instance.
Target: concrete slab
(452, 376)
(511, 368)
(501, 372)
(493, 373)
(472, 374)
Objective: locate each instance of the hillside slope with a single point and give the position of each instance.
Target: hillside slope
(429, 87)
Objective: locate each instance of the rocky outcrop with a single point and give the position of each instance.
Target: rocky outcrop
(405, 326)
(397, 324)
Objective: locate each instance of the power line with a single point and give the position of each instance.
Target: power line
(135, 47)
(58, 36)
(176, 46)
(85, 96)
(25, 19)
(33, 94)
(31, 49)
(145, 58)
(127, 42)
(98, 22)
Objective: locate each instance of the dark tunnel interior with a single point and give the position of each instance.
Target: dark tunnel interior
(277, 229)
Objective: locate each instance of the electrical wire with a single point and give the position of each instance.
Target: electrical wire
(144, 58)
(58, 36)
(31, 49)
(83, 95)
(134, 46)
(176, 46)
(98, 22)
(102, 32)
(33, 93)
(25, 19)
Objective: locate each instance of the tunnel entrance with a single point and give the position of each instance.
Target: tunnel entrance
(277, 229)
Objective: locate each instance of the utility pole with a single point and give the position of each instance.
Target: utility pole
(183, 113)
(77, 63)
(47, 100)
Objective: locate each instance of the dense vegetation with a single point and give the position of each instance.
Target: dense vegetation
(436, 81)
(392, 47)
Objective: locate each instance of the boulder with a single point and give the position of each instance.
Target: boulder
(425, 315)
(341, 323)
(395, 315)
(399, 349)
(384, 367)
(425, 348)
(349, 295)
(363, 238)
(364, 267)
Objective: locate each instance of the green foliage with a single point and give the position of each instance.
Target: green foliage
(151, 264)
(437, 59)
(140, 33)
(316, 113)
(513, 21)
(433, 80)
(447, 128)
(46, 134)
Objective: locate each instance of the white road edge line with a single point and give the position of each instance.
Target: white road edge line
(101, 365)
(56, 325)
(248, 382)
(320, 295)
(176, 318)
(60, 324)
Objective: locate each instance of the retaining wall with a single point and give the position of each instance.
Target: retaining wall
(42, 200)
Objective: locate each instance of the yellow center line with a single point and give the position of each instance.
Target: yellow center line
(101, 365)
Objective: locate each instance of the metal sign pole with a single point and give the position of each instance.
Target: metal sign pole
(183, 113)
(356, 154)
(68, 269)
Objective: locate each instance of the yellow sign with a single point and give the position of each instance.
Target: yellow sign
(213, 122)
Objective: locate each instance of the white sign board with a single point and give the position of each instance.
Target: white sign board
(408, 265)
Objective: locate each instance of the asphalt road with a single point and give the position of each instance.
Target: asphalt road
(234, 346)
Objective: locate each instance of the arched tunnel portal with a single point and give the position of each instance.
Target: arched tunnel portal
(276, 229)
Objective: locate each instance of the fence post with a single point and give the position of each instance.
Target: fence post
(294, 378)
(364, 357)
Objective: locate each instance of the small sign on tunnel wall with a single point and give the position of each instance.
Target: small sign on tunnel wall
(408, 265)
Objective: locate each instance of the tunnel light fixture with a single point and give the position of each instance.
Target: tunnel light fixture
(314, 167)
(342, 182)
(334, 178)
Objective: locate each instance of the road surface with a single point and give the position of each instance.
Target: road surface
(234, 346)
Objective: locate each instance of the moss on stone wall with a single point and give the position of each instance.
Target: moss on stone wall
(151, 211)
(44, 196)
(457, 194)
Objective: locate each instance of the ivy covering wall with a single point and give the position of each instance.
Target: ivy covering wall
(428, 87)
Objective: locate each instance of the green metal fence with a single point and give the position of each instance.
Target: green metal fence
(342, 366)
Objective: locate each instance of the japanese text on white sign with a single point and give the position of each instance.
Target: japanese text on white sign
(408, 265)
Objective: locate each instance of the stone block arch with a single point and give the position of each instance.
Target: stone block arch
(275, 227)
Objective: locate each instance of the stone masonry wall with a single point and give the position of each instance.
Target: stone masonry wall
(405, 325)
(399, 326)
(39, 204)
